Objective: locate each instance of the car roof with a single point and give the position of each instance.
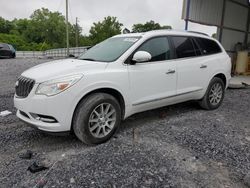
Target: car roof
(5, 44)
(166, 32)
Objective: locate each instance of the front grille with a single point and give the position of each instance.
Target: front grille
(24, 86)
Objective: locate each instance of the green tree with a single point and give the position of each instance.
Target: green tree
(45, 29)
(100, 31)
(46, 26)
(73, 32)
(5, 26)
(85, 41)
(148, 26)
(19, 26)
(17, 41)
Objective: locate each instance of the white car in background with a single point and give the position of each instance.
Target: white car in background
(121, 76)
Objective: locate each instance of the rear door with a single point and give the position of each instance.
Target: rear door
(192, 70)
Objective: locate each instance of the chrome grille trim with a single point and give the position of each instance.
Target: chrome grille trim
(24, 86)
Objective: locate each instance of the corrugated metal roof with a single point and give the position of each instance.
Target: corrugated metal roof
(204, 11)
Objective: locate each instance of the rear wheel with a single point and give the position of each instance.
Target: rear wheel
(214, 94)
(96, 118)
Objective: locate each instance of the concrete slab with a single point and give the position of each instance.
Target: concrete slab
(239, 82)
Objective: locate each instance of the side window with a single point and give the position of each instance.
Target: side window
(196, 48)
(11, 47)
(158, 48)
(183, 47)
(208, 47)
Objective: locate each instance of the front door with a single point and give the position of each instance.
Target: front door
(152, 82)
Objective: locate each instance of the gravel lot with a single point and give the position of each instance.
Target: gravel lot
(176, 146)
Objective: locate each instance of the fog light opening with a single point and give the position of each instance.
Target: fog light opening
(44, 118)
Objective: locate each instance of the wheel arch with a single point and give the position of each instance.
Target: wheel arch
(222, 77)
(111, 91)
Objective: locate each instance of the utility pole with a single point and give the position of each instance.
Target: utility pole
(76, 32)
(67, 28)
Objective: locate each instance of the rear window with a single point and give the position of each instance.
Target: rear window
(183, 47)
(208, 47)
(4, 46)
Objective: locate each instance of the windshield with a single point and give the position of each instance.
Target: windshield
(110, 49)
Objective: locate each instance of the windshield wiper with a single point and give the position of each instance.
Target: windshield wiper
(88, 59)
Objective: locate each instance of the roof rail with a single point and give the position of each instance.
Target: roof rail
(198, 33)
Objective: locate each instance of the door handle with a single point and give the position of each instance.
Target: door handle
(203, 66)
(170, 71)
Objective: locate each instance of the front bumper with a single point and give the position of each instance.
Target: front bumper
(59, 108)
(44, 126)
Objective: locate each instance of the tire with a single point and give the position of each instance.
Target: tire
(207, 102)
(91, 129)
(13, 55)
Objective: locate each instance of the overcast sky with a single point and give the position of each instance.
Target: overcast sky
(128, 12)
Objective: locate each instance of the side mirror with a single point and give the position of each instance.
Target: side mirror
(141, 56)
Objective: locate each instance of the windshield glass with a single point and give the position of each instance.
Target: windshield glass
(110, 49)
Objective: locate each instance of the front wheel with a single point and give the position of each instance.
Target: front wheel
(96, 118)
(214, 95)
(13, 55)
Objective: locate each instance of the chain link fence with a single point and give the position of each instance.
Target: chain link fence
(29, 54)
(58, 53)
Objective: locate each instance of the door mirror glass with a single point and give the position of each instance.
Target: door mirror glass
(141, 56)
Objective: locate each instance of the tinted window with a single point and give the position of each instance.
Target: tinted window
(183, 47)
(196, 48)
(207, 46)
(158, 48)
(11, 47)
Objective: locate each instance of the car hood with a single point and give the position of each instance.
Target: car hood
(60, 68)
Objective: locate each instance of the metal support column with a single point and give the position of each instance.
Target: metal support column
(222, 20)
(247, 29)
(187, 14)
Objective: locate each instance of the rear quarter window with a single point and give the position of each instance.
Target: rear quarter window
(208, 47)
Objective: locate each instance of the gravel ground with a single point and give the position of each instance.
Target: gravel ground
(175, 146)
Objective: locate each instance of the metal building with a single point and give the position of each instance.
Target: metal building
(231, 17)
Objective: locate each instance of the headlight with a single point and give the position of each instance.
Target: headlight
(53, 87)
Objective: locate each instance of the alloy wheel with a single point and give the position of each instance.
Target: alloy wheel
(215, 94)
(102, 120)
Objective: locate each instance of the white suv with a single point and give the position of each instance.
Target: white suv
(121, 76)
